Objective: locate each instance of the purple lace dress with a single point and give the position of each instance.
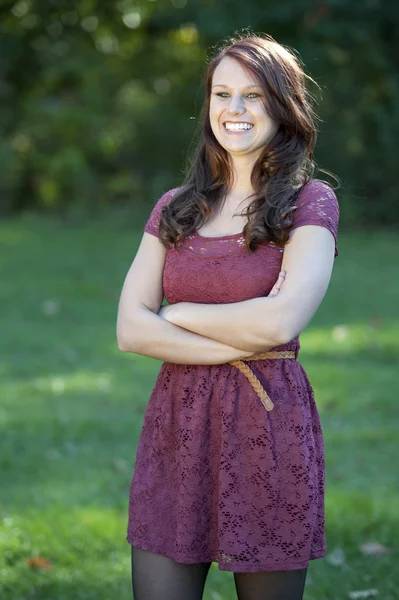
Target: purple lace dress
(218, 478)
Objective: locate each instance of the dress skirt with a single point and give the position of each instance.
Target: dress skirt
(218, 478)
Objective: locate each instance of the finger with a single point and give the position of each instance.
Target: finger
(277, 286)
(279, 282)
(281, 279)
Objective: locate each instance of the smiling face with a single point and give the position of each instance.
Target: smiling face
(237, 114)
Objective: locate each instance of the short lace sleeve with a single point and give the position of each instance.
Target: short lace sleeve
(317, 204)
(152, 225)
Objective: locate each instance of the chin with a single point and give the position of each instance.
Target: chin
(241, 147)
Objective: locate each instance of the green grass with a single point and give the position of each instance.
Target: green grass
(72, 405)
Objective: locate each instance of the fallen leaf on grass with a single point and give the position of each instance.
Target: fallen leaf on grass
(373, 548)
(363, 594)
(38, 562)
(376, 322)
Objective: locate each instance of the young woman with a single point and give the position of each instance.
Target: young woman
(230, 461)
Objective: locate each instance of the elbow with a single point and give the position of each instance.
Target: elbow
(287, 326)
(123, 345)
(126, 345)
(282, 338)
(284, 332)
(269, 339)
(126, 342)
(130, 332)
(285, 338)
(288, 332)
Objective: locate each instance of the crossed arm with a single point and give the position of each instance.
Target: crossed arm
(266, 322)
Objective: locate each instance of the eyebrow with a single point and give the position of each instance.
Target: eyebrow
(247, 86)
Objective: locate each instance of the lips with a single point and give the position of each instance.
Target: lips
(237, 126)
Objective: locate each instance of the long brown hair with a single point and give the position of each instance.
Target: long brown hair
(284, 166)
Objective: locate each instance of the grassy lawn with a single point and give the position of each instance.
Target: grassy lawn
(71, 410)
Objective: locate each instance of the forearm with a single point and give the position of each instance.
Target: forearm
(253, 325)
(148, 334)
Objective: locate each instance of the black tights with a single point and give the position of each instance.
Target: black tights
(158, 577)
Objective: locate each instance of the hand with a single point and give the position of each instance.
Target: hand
(274, 291)
(278, 284)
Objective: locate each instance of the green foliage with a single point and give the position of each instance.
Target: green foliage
(100, 101)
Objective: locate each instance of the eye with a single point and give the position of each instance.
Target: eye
(223, 94)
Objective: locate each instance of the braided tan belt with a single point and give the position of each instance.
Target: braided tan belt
(253, 380)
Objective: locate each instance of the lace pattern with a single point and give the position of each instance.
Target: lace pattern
(217, 477)
(317, 204)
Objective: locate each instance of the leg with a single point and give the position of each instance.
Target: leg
(273, 585)
(158, 577)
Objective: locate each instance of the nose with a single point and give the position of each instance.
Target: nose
(235, 105)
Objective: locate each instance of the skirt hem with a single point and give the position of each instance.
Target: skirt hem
(231, 566)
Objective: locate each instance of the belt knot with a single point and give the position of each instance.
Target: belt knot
(250, 375)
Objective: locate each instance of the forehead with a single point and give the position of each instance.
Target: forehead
(229, 72)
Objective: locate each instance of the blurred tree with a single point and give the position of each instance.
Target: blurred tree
(100, 101)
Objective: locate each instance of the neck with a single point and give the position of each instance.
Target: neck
(242, 168)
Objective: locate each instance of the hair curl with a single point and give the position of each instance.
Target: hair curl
(284, 166)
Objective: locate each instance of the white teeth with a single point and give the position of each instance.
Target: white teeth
(237, 126)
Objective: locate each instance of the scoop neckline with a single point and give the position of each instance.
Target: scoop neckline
(219, 237)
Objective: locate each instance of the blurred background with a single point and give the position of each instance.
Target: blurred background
(99, 109)
(100, 101)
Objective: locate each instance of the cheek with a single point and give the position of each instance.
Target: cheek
(274, 126)
(214, 119)
(270, 124)
(213, 112)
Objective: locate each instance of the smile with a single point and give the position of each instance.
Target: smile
(231, 126)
